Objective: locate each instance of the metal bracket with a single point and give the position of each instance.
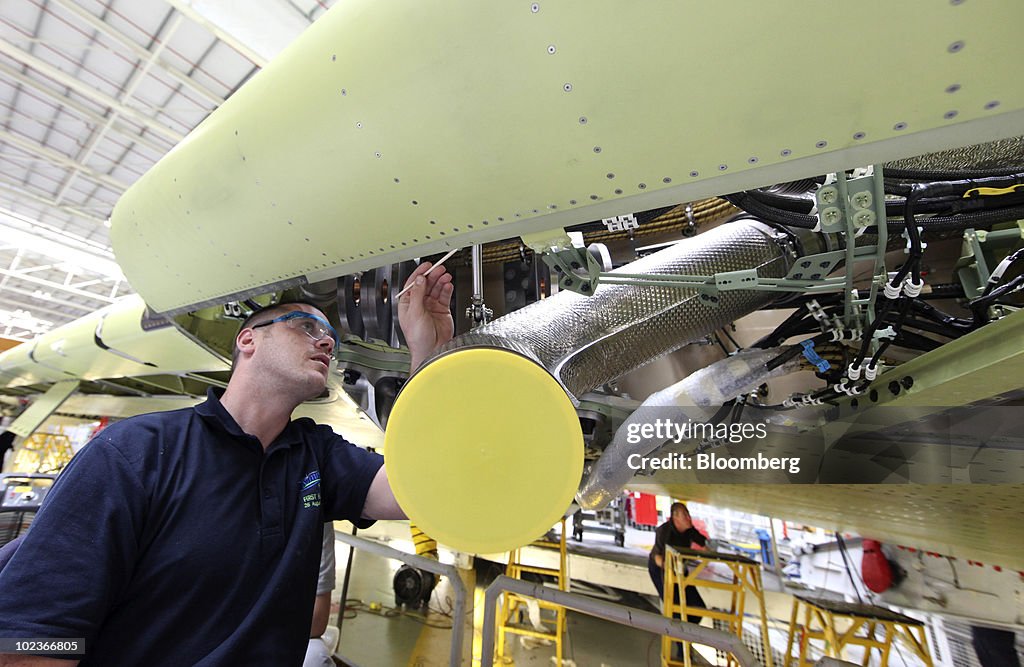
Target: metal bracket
(841, 200)
(576, 268)
(848, 206)
(815, 267)
(569, 266)
(734, 280)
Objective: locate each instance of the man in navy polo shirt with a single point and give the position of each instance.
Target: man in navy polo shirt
(193, 537)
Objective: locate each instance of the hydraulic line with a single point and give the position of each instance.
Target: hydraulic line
(897, 326)
(944, 291)
(997, 273)
(979, 220)
(782, 332)
(931, 312)
(932, 327)
(979, 305)
(804, 206)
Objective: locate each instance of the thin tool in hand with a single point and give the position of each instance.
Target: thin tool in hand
(439, 263)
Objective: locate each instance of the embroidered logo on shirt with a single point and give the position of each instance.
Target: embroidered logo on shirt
(311, 490)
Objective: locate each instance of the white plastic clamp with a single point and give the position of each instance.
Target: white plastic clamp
(912, 289)
(888, 332)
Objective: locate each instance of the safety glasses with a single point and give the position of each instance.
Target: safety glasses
(309, 324)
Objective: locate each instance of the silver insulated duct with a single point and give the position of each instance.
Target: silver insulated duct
(586, 341)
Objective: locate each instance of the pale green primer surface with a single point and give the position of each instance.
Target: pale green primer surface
(72, 349)
(17, 368)
(166, 348)
(43, 407)
(492, 119)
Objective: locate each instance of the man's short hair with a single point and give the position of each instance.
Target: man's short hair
(265, 314)
(678, 507)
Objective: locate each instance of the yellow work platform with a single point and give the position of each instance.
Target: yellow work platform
(838, 624)
(746, 578)
(514, 604)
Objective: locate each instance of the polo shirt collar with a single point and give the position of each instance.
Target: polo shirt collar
(213, 412)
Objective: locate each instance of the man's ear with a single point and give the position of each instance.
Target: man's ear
(245, 341)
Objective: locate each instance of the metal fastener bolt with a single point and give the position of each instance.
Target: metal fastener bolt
(862, 199)
(828, 195)
(864, 219)
(831, 216)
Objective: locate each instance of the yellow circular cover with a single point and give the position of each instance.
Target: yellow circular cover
(483, 450)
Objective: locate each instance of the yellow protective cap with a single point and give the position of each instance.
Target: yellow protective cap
(484, 450)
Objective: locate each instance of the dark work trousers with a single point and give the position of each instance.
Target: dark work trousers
(693, 598)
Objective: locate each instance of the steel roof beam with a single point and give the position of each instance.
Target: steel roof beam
(58, 158)
(126, 93)
(86, 90)
(257, 29)
(20, 191)
(54, 300)
(49, 284)
(83, 111)
(140, 51)
(15, 261)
